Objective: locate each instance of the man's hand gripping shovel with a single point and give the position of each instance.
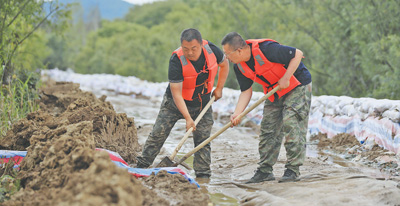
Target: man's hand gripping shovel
(168, 161)
(205, 142)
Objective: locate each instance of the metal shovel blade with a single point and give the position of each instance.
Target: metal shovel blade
(166, 162)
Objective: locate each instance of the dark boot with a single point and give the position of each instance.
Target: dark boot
(261, 177)
(204, 176)
(289, 176)
(141, 164)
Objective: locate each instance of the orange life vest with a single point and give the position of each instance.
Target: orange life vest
(271, 71)
(190, 74)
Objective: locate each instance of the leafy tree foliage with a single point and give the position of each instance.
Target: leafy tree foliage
(20, 47)
(351, 47)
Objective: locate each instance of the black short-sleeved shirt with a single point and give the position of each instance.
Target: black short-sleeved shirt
(175, 74)
(277, 53)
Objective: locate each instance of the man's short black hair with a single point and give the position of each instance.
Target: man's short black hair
(190, 34)
(234, 40)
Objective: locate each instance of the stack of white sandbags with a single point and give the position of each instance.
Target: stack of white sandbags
(356, 107)
(375, 121)
(109, 82)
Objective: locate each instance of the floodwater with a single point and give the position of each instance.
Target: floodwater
(326, 178)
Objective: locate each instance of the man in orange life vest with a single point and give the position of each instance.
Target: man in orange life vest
(286, 112)
(191, 74)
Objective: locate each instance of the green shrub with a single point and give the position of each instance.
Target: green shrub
(18, 99)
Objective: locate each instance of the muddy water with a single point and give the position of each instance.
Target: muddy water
(326, 178)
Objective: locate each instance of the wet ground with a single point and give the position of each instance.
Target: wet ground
(335, 173)
(62, 167)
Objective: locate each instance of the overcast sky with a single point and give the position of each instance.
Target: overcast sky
(140, 2)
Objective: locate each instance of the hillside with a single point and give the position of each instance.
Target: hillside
(109, 9)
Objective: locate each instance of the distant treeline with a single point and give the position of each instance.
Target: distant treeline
(351, 47)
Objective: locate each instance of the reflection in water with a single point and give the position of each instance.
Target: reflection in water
(215, 198)
(221, 199)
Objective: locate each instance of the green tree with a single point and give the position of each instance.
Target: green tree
(150, 15)
(66, 45)
(356, 44)
(351, 47)
(19, 19)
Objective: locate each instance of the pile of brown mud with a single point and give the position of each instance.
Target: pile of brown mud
(62, 166)
(64, 104)
(369, 153)
(168, 185)
(340, 142)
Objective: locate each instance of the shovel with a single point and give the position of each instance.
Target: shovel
(168, 160)
(205, 142)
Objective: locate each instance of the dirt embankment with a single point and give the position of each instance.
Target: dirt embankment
(62, 166)
(64, 104)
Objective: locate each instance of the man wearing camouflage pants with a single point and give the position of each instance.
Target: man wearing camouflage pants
(286, 112)
(192, 70)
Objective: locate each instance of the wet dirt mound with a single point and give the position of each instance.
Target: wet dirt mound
(63, 104)
(62, 166)
(56, 96)
(18, 137)
(176, 189)
(339, 142)
(368, 153)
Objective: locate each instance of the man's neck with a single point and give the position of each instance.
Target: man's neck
(247, 53)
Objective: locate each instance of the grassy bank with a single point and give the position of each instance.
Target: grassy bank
(18, 99)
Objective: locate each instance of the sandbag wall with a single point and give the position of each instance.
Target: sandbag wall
(369, 120)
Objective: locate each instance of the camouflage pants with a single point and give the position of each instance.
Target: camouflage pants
(166, 119)
(286, 117)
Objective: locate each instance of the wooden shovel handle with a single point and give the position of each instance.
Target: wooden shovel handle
(228, 125)
(191, 129)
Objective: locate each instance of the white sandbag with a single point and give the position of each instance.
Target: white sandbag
(381, 105)
(349, 110)
(366, 105)
(392, 115)
(344, 101)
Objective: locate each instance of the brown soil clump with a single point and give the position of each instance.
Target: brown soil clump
(340, 142)
(369, 154)
(176, 189)
(64, 104)
(62, 166)
(88, 177)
